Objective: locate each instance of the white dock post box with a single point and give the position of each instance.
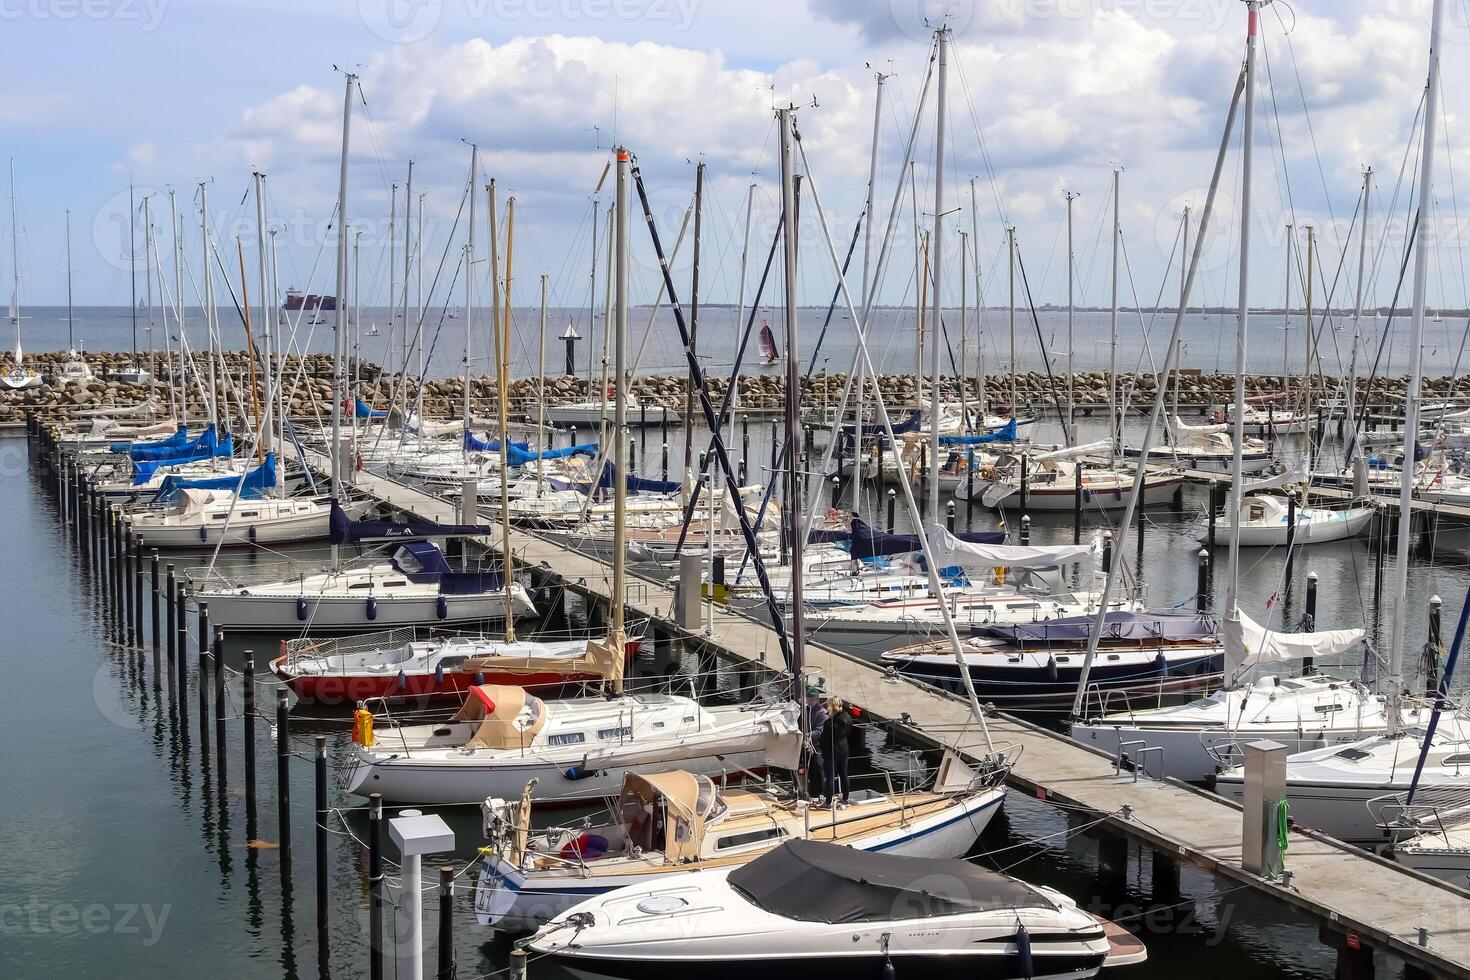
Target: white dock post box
(469, 502)
(688, 612)
(1265, 789)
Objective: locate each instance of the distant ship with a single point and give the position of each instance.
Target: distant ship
(297, 300)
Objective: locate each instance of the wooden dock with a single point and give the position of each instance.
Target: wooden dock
(1360, 900)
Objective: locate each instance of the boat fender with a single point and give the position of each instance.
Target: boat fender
(301, 608)
(1023, 951)
(441, 607)
(439, 674)
(252, 533)
(402, 681)
(372, 608)
(203, 534)
(1161, 664)
(362, 727)
(479, 677)
(1051, 669)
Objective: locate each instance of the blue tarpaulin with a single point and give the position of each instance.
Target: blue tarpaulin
(636, 484)
(1006, 433)
(1076, 630)
(177, 439)
(362, 411)
(520, 457)
(480, 446)
(869, 542)
(206, 441)
(143, 470)
(256, 483)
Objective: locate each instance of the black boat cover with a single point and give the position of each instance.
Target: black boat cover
(809, 881)
(869, 542)
(1068, 630)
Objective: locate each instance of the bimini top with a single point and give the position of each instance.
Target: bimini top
(814, 882)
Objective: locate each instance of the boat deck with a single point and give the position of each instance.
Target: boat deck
(1347, 889)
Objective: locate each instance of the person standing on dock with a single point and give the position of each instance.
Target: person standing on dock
(816, 721)
(833, 741)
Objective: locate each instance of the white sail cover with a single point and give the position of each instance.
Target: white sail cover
(149, 407)
(1295, 472)
(950, 550)
(429, 428)
(1182, 430)
(1249, 644)
(1072, 452)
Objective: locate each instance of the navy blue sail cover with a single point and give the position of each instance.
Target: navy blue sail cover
(1116, 626)
(177, 439)
(869, 542)
(257, 483)
(423, 562)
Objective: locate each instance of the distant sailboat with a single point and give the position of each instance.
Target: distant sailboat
(18, 376)
(372, 330)
(769, 354)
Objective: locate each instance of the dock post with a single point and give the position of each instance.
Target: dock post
(219, 700)
(1107, 552)
(741, 467)
(1025, 528)
(446, 923)
(892, 505)
(323, 894)
(181, 623)
(172, 636)
(1290, 536)
(949, 515)
(204, 633)
(664, 466)
(1433, 648)
(153, 618)
(247, 713)
(1112, 863)
(1077, 506)
(1164, 879)
(114, 556)
(125, 555)
(1214, 496)
(1264, 793)
(137, 590)
(744, 436)
(837, 494)
(283, 777)
(1025, 482)
(517, 964)
(204, 705)
(1309, 621)
(1202, 583)
(375, 886)
(1354, 957)
(775, 440)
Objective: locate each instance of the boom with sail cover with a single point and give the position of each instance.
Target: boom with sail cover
(177, 439)
(344, 530)
(1249, 644)
(1006, 433)
(869, 542)
(949, 549)
(256, 483)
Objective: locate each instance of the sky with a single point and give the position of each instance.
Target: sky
(1045, 97)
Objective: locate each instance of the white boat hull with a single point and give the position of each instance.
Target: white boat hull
(275, 530)
(1341, 526)
(1187, 752)
(282, 613)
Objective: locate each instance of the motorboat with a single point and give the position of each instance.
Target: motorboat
(670, 824)
(813, 909)
(130, 374)
(576, 750)
(594, 412)
(393, 664)
(74, 370)
(1194, 741)
(1357, 791)
(1038, 665)
(1269, 521)
(416, 586)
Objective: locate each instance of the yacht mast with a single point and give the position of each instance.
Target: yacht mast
(71, 337)
(541, 441)
(1071, 311)
(267, 426)
(861, 381)
(1351, 412)
(338, 339)
(1416, 370)
(502, 384)
(407, 266)
(1115, 419)
(14, 265)
(132, 268)
(469, 296)
(209, 311)
(795, 524)
(983, 407)
(1011, 252)
(616, 636)
(1237, 462)
(937, 270)
(1286, 314)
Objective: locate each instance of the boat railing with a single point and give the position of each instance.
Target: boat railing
(316, 648)
(1435, 810)
(1137, 760)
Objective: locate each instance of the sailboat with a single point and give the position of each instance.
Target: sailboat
(19, 377)
(769, 354)
(1202, 737)
(668, 825)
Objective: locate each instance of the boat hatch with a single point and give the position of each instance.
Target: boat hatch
(1353, 755)
(567, 738)
(750, 837)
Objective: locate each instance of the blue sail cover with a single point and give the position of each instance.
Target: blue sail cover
(363, 411)
(177, 439)
(636, 484)
(344, 530)
(869, 542)
(520, 457)
(256, 484)
(1075, 630)
(480, 446)
(423, 562)
(1006, 433)
(144, 470)
(206, 442)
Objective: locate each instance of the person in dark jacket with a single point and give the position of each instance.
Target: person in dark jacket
(816, 722)
(834, 741)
